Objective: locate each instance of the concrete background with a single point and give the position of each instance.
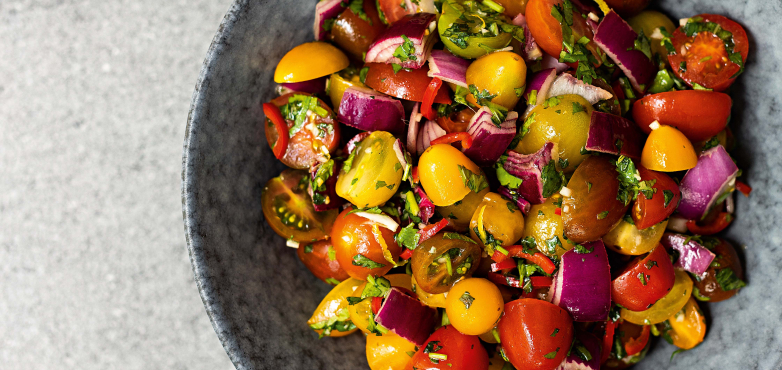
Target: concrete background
(94, 96)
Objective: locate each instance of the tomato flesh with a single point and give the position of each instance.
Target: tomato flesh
(535, 334)
(408, 84)
(353, 34)
(644, 281)
(304, 147)
(321, 261)
(460, 352)
(649, 212)
(288, 209)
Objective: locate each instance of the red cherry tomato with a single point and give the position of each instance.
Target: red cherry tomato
(318, 259)
(408, 84)
(353, 34)
(393, 10)
(547, 31)
(357, 248)
(644, 281)
(650, 212)
(706, 61)
(722, 221)
(699, 115)
(535, 334)
(448, 349)
(303, 147)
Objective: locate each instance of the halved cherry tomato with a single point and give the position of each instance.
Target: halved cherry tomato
(718, 224)
(644, 281)
(689, 326)
(442, 171)
(628, 8)
(408, 84)
(743, 188)
(650, 212)
(666, 306)
(699, 115)
(457, 122)
(668, 150)
(709, 288)
(454, 137)
(448, 349)
(431, 92)
(335, 307)
(360, 312)
(635, 345)
(393, 10)
(388, 352)
(273, 114)
(320, 259)
(310, 61)
(439, 262)
(706, 61)
(354, 34)
(513, 7)
(547, 31)
(304, 146)
(358, 250)
(288, 209)
(535, 334)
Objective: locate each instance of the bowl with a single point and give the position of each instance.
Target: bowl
(258, 296)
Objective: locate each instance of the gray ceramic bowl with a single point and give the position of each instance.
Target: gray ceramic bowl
(258, 296)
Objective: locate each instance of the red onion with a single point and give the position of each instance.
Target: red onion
(406, 317)
(529, 50)
(328, 192)
(429, 131)
(351, 144)
(488, 140)
(369, 110)
(412, 128)
(522, 203)
(693, 257)
(324, 11)
(567, 84)
(550, 62)
(615, 135)
(448, 67)
(582, 284)
(315, 86)
(529, 168)
(425, 205)
(702, 185)
(617, 39)
(595, 348)
(541, 83)
(418, 28)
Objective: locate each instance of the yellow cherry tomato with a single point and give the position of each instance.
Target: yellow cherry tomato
(474, 305)
(667, 306)
(445, 173)
(310, 61)
(560, 119)
(459, 213)
(498, 217)
(502, 74)
(545, 225)
(668, 150)
(647, 21)
(429, 299)
(689, 326)
(488, 337)
(359, 312)
(496, 362)
(626, 239)
(375, 172)
(333, 310)
(339, 82)
(388, 352)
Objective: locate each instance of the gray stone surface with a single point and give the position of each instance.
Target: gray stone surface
(94, 98)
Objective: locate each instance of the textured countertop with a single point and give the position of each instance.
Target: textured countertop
(94, 97)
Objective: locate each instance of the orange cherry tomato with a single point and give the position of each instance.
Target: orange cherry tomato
(649, 212)
(309, 61)
(706, 61)
(441, 174)
(699, 115)
(548, 32)
(535, 334)
(358, 249)
(388, 352)
(320, 259)
(688, 326)
(668, 150)
(644, 281)
(408, 84)
(448, 349)
(304, 147)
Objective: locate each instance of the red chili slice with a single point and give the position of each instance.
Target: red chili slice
(743, 188)
(464, 137)
(273, 114)
(431, 92)
(720, 223)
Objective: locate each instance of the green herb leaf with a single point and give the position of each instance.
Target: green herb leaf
(642, 278)
(332, 281)
(406, 51)
(728, 280)
(467, 299)
(357, 7)
(472, 180)
(668, 195)
(457, 236)
(551, 354)
(362, 75)
(602, 215)
(380, 184)
(364, 261)
(552, 179)
(552, 244)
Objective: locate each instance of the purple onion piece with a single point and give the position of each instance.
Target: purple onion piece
(693, 257)
(567, 84)
(418, 28)
(550, 62)
(425, 205)
(315, 86)
(529, 50)
(582, 285)
(540, 82)
(369, 110)
(327, 195)
(617, 39)
(592, 344)
(488, 140)
(702, 185)
(448, 67)
(522, 203)
(615, 135)
(529, 168)
(429, 131)
(406, 317)
(324, 11)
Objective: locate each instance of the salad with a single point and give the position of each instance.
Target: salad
(500, 184)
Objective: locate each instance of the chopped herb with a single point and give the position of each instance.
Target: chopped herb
(408, 237)
(728, 280)
(643, 45)
(452, 216)
(563, 163)
(668, 195)
(580, 249)
(666, 41)
(602, 215)
(467, 299)
(540, 213)
(339, 322)
(332, 281)
(512, 207)
(397, 166)
(433, 346)
(676, 352)
(458, 236)
(380, 184)
(362, 75)
(650, 264)
(552, 244)
(642, 278)
(698, 86)
(396, 67)
(308, 248)
(577, 107)
(629, 182)
(589, 186)
(554, 334)
(526, 126)
(697, 294)
(683, 67)
(473, 181)
(529, 245)
(506, 179)
(551, 354)
(552, 179)
(348, 164)
(406, 51)
(354, 181)
(363, 261)
(551, 102)
(484, 98)
(357, 7)
(519, 92)
(373, 210)
(533, 97)
(628, 219)
(332, 253)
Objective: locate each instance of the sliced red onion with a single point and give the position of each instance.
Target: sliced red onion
(488, 140)
(529, 168)
(418, 28)
(448, 67)
(522, 203)
(582, 285)
(412, 128)
(369, 110)
(351, 144)
(429, 131)
(315, 86)
(550, 62)
(425, 205)
(530, 50)
(693, 257)
(702, 185)
(399, 150)
(406, 317)
(592, 344)
(615, 135)
(540, 82)
(617, 39)
(567, 84)
(324, 11)
(329, 188)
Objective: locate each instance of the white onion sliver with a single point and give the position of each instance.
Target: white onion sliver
(383, 220)
(677, 224)
(292, 243)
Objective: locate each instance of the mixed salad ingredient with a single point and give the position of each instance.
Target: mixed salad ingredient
(509, 184)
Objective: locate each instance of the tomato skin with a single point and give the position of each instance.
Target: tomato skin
(299, 65)
(526, 331)
(631, 292)
(331, 305)
(650, 212)
(353, 34)
(440, 175)
(464, 352)
(698, 114)
(726, 257)
(437, 280)
(318, 261)
(667, 150)
(304, 147)
(286, 196)
(392, 9)
(387, 352)
(352, 235)
(689, 326)
(627, 8)
(481, 314)
(406, 84)
(715, 73)
(548, 32)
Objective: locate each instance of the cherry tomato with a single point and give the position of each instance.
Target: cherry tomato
(513, 7)
(668, 150)
(388, 352)
(439, 262)
(501, 73)
(644, 280)
(591, 211)
(393, 10)
(627, 8)
(408, 84)
(719, 223)
(699, 115)
(321, 260)
(544, 224)
(470, 18)
(339, 82)
(547, 31)
(666, 306)
(288, 208)
(305, 146)
(706, 60)
(627, 239)
(309, 61)
(688, 326)
(331, 317)
(456, 122)
(535, 334)
(429, 299)
(440, 170)
(649, 20)
(460, 213)
(359, 313)
(374, 174)
(709, 287)
(358, 250)
(448, 349)
(650, 212)
(496, 219)
(631, 338)
(474, 305)
(353, 34)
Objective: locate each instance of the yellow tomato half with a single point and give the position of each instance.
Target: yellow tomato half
(625, 238)
(388, 352)
(501, 74)
(359, 313)
(667, 306)
(689, 326)
(444, 172)
(332, 306)
(310, 61)
(668, 150)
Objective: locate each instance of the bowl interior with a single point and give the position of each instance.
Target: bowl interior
(259, 296)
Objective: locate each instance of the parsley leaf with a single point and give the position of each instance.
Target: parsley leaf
(602, 215)
(552, 179)
(357, 7)
(630, 182)
(668, 195)
(551, 354)
(467, 299)
(643, 45)
(552, 244)
(472, 180)
(458, 236)
(728, 280)
(364, 261)
(408, 237)
(406, 51)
